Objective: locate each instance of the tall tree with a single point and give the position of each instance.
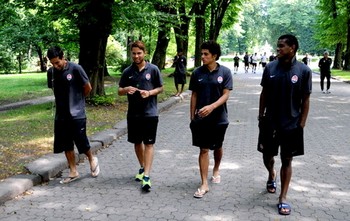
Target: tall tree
(94, 21)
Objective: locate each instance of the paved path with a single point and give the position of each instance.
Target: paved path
(319, 189)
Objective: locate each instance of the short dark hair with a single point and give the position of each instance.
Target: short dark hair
(290, 40)
(138, 44)
(213, 47)
(54, 52)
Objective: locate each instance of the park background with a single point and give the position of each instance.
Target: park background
(96, 34)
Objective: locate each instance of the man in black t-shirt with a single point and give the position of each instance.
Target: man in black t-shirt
(70, 85)
(325, 68)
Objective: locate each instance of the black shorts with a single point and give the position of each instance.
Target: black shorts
(290, 141)
(180, 78)
(68, 133)
(207, 136)
(142, 129)
(236, 64)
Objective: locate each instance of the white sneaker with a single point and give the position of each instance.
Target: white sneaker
(323, 91)
(328, 92)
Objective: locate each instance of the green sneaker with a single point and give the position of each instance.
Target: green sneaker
(139, 176)
(146, 183)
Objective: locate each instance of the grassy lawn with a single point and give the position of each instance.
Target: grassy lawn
(27, 133)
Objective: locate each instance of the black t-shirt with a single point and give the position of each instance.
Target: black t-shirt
(285, 88)
(68, 86)
(146, 79)
(209, 87)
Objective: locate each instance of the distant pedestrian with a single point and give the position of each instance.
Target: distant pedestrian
(142, 82)
(263, 60)
(255, 60)
(325, 71)
(70, 85)
(306, 59)
(210, 85)
(246, 60)
(236, 63)
(180, 63)
(283, 110)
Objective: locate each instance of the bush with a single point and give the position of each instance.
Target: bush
(107, 100)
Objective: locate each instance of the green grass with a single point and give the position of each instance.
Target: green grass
(18, 87)
(344, 75)
(27, 133)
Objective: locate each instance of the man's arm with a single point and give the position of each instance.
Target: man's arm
(86, 89)
(305, 105)
(193, 104)
(262, 103)
(206, 110)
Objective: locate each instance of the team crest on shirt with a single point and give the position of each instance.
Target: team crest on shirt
(148, 76)
(220, 79)
(69, 77)
(294, 79)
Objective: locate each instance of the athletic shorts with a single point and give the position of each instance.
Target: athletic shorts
(290, 141)
(236, 64)
(142, 129)
(68, 133)
(207, 136)
(180, 78)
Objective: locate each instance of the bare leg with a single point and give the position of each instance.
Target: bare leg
(286, 175)
(203, 160)
(217, 160)
(70, 155)
(269, 162)
(148, 158)
(140, 152)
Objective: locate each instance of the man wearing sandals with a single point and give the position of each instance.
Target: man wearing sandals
(283, 109)
(70, 85)
(210, 85)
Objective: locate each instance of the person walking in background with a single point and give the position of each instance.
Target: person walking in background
(180, 63)
(255, 59)
(70, 85)
(306, 59)
(142, 82)
(283, 110)
(263, 60)
(325, 71)
(236, 63)
(210, 85)
(246, 62)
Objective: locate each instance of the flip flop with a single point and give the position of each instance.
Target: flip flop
(69, 179)
(282, 207)
(96, 171)
(216, 179)
(200, 193)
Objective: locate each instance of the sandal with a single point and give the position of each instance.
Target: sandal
(216, 179)
(96, 171)
(69, 179)
(200, 193)
(284, 208)
(271, 186)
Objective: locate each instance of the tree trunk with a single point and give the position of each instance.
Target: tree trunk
(337, 63)
(181, 30)
(217, 15)
(162, 45)
(159, 54)
(347, 53)
(94, 28)
(199, 11)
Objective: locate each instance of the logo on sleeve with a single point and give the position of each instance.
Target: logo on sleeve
(69, 77)
(148, 76)
(220, 79)
(294, 79)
